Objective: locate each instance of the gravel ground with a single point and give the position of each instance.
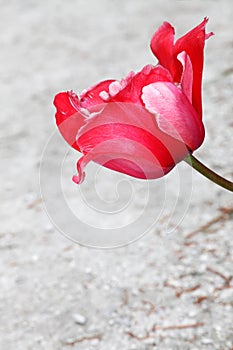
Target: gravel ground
(171, 289)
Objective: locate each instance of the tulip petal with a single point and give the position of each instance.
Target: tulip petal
(91, 96)
(125, 156)
(193, 44)
(69, 118)
(162, 46)
(131, 93)
(125, 137)
(174, 113)
(187, 75)
(125, 120)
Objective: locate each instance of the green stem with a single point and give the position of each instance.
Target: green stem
(201, 168)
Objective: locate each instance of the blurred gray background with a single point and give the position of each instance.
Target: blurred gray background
(166, 290)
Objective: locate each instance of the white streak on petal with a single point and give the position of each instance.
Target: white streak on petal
(104, 95)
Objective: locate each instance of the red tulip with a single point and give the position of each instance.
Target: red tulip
(146, 123)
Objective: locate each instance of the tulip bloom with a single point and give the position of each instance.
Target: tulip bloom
(145, 124)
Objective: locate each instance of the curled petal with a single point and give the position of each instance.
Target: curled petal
(119, 155)
(174, 113)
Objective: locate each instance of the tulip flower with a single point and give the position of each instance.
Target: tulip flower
(146, 123)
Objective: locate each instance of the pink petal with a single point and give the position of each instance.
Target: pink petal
(69, 118)
(120, 119)
(187, 75)
(174, 113)
(117, 86)
(193, 44)
(125, 156)
(126, 138)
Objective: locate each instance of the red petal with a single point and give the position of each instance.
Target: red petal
(68, 117)
(162, 46)
(174, 113)
(125, 156)
(125, 137)
(149, 74)
(193, 44)
(91, 97)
